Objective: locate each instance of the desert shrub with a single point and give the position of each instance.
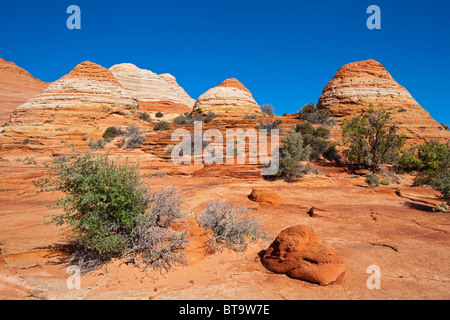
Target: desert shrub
(268, 110)
(180, 120)
(445, 126)
(145, 116)
(372, 139)
(84, 138)
(372, 180)
(439, 180)
(431, 155)
(112, 213)
(269, 125)
(313, 115)
(61, 159)
(385, 182)
(96, 144)
(291, 152)
(322, 132)
(169, 149)
(316, 138)
(159, 114)
(26, 141)
(209, 117)
(250, 116)
(133, 138)
(110, 133)
(161, 126)
(232, 226)
(305, 128)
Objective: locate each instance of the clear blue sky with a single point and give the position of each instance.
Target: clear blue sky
(283, 51)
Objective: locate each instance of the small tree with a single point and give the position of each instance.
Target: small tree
(372, 139)
(292, 151)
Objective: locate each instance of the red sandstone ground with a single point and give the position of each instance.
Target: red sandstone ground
(395, 230)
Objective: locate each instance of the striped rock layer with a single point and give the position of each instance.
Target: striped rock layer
(147, 86)
(357, 85)
(16, 87)
(87, 83)
(230, 97)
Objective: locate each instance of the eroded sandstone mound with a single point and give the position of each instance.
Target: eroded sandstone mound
(145, 85)
(230, 97)
(86, 83)
(300, 254)
(16, 87)
(357, 85)
(265, 196)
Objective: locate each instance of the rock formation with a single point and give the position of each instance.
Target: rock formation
(357, 85)
(16, 87)
(230, 97)
(147, 86)
(87, 83)
(300, 254)
(265, 196)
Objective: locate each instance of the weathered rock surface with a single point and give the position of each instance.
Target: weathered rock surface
(230, 97)
(300, 254)
(145, 85)
(87, 83)
(357, 85)
(16, 87)
(265, 196)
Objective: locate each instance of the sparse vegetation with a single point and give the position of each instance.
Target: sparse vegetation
(268, 110)
(316, 138)
(26, 141)
(372, 140)
(313, 115)
(372, 180)
(189, 118)
(159, 114)
(431, 155)
(114, 217)
(250, 116)
(232, 226)
(291, 152)
(161, 126)
(269, 125)
(96, 144)
(145, 117)
(133, 138)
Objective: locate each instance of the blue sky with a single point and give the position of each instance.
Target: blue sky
(283, 51)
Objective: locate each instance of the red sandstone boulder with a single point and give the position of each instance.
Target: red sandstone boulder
(265, 196)
(300, 254)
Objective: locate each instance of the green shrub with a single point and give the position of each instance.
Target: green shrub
(439, 180)
(372, 180)
(159, 114)
(322, 132)
(161, 126)
(305, 128)
(111, 213)
(26, 141)
(313, 115)
(145, 116)
(291, 152)
(110, 133)
(232, 226)
(385, 182)
(372, 140)
(180, 120)
(209, 117)
(431, 155)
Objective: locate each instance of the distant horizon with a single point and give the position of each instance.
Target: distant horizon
(284, 54)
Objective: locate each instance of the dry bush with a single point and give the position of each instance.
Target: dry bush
(231, 226)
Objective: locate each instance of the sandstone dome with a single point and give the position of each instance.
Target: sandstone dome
(145, 85)
(357, 85)
(230, 97)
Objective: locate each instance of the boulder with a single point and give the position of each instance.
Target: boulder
(265, 196)
(300, 254)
